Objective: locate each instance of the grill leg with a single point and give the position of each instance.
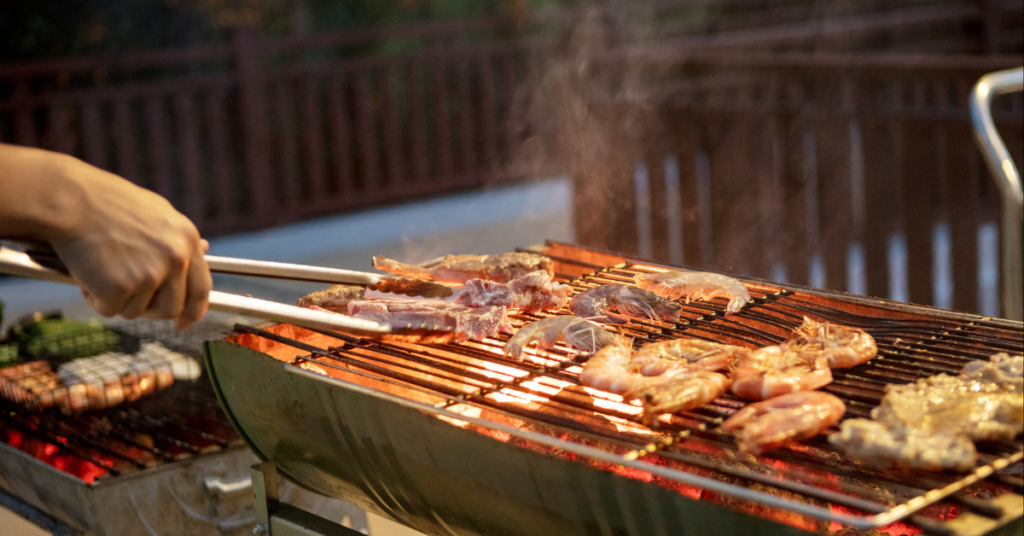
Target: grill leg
(275, 518)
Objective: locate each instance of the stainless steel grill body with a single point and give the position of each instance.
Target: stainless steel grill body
(457, 439)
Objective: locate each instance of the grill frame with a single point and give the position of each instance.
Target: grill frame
(231, 403)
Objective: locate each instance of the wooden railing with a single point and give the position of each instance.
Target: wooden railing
(258, 132)
(762, 152)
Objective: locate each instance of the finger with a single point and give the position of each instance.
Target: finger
(197, 294)
(105, 301)
(138, 302)
(205, 244)
(169, 299)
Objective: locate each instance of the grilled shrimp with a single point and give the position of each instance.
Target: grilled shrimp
(784, 419)
(677, 390)
(843, 346)
(609, 369)
(776, 370)
(594, 304)
(658, 357)
(696, 286)
(581, 334)
(612, 369)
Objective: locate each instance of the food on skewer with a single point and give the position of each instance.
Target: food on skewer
(596, 303)
(696, 286)
(502, 267)
(581, 334)
(334, 299)
(881, 447)
(681, 387)
(777, 370)
(467, 322)
(784, 419)
(843, 346)
(658, 357)
(530, 293)
(1003, 369)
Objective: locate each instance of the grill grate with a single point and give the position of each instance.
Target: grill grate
(182, 421)
(542, 394)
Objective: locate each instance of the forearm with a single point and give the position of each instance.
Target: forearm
(39, 197)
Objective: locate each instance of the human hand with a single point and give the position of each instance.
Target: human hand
(131, 252)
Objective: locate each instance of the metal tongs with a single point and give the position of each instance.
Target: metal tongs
(43, 264)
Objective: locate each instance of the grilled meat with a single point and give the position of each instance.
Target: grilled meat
(467, 322)
(953, 405)
(502, 267)
(1002, 369)
(595, 304)
(882, 447)
(335, 298)
(530, 293)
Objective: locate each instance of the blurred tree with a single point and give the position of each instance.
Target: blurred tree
(31, 29)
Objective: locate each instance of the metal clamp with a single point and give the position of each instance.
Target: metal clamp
(275, 518)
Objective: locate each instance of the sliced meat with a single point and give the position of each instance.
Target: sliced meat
(467, 322)
(530, 293)
(502, 267)
(335, 298)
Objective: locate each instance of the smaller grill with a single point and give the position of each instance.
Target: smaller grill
(539, 404)
(184, 421)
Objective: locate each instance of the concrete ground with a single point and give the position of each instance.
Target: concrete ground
(491, 221)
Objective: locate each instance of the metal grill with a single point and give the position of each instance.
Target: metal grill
(538, 403)
(184, 421)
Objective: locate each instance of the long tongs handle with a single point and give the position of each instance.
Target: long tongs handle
(297, 272)
(20, 264)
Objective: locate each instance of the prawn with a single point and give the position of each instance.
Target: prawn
(658, 357)
(696, 286)
(595, 303)
(776, 370)
(581, 334)
(843, 346)
(678, 390)
(613, 369)
(784, 419)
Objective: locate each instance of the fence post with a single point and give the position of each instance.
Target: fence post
(253, 117)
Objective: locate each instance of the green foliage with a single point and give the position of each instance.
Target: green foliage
(32, 29)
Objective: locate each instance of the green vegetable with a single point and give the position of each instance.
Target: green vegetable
(60, 339)
(8, 354)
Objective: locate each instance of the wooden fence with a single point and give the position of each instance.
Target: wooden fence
(733, 135)
(752, 152)
(258, 132)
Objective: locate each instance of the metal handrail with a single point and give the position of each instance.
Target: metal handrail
(1007, 178)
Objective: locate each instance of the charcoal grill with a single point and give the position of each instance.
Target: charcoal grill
(457, 439)
(169, 463)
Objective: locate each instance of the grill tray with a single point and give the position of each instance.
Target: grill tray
(456, 437)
